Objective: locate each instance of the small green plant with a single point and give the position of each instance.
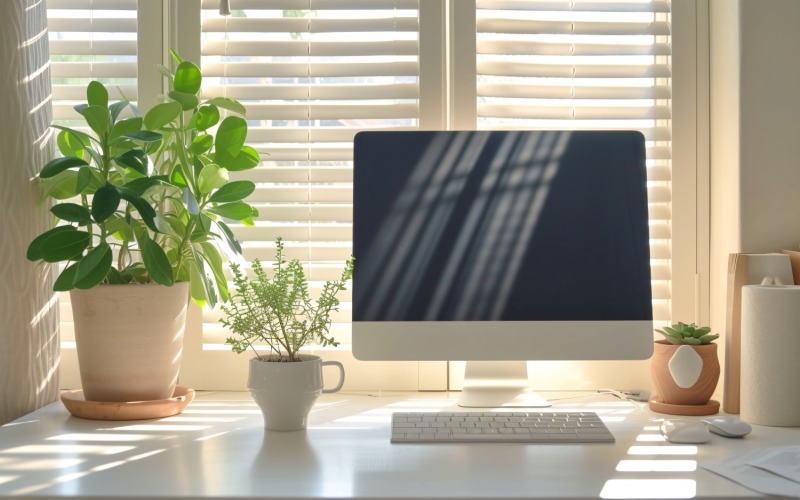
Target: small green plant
(683, 334)
(279, 311)
(148, 198)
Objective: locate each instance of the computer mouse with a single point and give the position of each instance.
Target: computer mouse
(727, 426)
(685, 431)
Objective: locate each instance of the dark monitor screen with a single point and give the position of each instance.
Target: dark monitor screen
(500, 226)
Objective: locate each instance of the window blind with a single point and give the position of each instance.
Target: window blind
(89, 40)
(585, 64)
(312, 73)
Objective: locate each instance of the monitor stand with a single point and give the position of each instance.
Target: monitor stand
(498, 384)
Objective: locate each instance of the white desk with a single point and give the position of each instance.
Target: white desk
(218, 449)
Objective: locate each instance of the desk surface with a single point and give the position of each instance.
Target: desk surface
(218, 449)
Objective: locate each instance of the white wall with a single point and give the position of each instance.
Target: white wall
(29, 342)
(754, 133)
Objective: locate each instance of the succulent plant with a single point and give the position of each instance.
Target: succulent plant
(683, 334)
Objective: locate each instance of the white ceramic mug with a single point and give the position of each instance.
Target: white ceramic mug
(285, 391)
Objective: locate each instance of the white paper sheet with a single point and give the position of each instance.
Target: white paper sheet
(784, 461)
(739, 470)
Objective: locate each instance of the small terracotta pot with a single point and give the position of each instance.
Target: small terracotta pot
(674, 389)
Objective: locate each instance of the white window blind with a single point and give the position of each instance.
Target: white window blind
(89, 40)
(312, 73)
(585, 64)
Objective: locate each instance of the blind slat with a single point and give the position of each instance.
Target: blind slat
(314, 70)
(309, 25)
(575, 5)
(253, 92)
(518, 26)
(523, 69)
(92, 25)
(93, 69)
(572, 92)
(513, 46)
(318, 4)
(313, 49)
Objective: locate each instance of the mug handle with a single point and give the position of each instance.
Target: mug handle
(341, 376)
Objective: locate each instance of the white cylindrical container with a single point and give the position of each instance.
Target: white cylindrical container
(770, 355)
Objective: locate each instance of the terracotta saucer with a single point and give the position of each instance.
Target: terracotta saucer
(710, 408)
(131, 410)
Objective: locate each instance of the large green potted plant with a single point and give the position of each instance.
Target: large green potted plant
(277, 313)
(685, 370)
(142, 205)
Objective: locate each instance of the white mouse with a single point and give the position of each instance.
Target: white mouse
(727, 426)
(685, 431)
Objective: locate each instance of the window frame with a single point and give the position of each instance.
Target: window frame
(163, 26)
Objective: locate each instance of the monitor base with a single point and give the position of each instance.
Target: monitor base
(498, 384)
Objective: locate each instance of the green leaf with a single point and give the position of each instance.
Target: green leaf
(233, 191)
(175, 56)
(187, 101)
(705, 339)
(70, 144)
(205, 117)
(62, 186)
(190, 201)
(34, 252)
(203, 222)
(188, 78)
(58, 165)
(162, 114)
(93, 267)
(105, 202)
(212, 177)
(66, 280)
(96, 94)
(147, 212)
(247, 158)
(117, 108)
(115, 277)
(84, 179)
(214, 260)
(98, 119)
(231, 134)
(72, 212)
(176, 177)
(164, 71)
(156, 262)
(199, 284)
(229, 104)
(201, 144)
(65, 245)
(235, 211)
(230, 238)
(123, 127)
(139, 186)
(135, 159)
(143, 136)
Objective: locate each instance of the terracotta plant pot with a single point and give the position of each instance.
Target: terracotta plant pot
(129, 340)
(684, 374)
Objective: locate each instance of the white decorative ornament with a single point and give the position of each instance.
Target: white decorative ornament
(685, 366)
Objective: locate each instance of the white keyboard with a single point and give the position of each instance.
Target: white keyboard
(499, 427)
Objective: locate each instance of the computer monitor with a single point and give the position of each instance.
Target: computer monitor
(499, 246)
